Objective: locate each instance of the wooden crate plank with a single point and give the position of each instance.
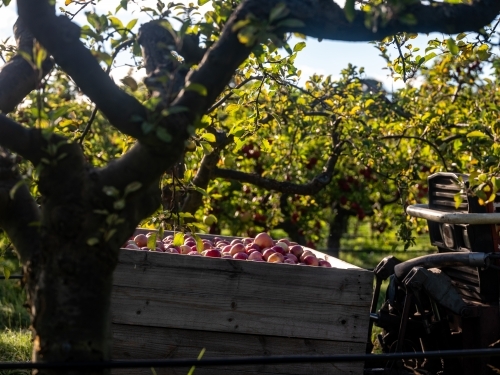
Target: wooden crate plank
(232, 313)
(136, 342)
(182, 273)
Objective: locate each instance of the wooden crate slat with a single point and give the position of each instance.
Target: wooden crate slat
(287, 318)
(182, 273)
(156, 343)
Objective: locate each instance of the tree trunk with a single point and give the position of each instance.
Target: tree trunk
(71, 306)
(338, 227)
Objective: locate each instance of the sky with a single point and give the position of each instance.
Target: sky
(326, 57)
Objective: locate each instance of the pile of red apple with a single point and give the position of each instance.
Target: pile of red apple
(262, 248)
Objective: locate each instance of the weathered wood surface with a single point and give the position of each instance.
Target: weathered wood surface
(224, 295)
(155, 343)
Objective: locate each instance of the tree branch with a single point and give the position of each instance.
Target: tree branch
(204, 175)
(310, 188)
(443, 160)
(18, 78)
(61, 38)
(324, 19)
(20, 216)
(23, 141)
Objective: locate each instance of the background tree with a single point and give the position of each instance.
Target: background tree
(87, 203)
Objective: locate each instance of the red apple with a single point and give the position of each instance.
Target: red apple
(267, 253)
(237, 248)
(306, 253)
(240, 256)
(255, 256)
(289, 261)
(226, 249)
(264, 240)
(190, 243)
(194, 253)
(291, 257)
(247, 241)
(324, 263)
(310, 260)
(227, 256)
(285, 240)
(235, 241)
(279, 249)
(132, 247)
(283, 245)
(141, 240)
(276, 258)
(213, 253)
(252, 246)
(184, 249)
(296, 250)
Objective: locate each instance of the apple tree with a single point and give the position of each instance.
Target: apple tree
(67, 207)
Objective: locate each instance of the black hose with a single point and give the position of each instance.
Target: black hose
(440, 261)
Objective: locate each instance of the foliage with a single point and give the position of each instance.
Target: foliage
(286, 130)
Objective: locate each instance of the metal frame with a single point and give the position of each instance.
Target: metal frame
(424, 212)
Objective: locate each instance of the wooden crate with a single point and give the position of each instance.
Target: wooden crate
(172, 306)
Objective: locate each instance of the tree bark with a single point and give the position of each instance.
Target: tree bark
(338, 228)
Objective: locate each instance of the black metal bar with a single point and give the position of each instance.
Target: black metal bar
(250, 360)
(13, 277)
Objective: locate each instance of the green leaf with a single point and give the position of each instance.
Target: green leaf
(111, 191)
(199, 243)
(6, 273)
(458, 200)
(207, 148)
(163, 134)
(92, 241)
(124, 4)
(476, 133)
(349, 10)
(152, 241)
(299, 46)
(131, 24)
(119, 204)
(110, 234)
(196, 87)
(133, 186)
(279, 11)
(202, 2)
(12, 191)
(178, 239)
(130, 82)
(452, 46)
(116, 22)
(201, 191)
(209, 137)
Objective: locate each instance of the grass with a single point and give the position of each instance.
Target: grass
(13, 314)
(15, 346)
(15, 338)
